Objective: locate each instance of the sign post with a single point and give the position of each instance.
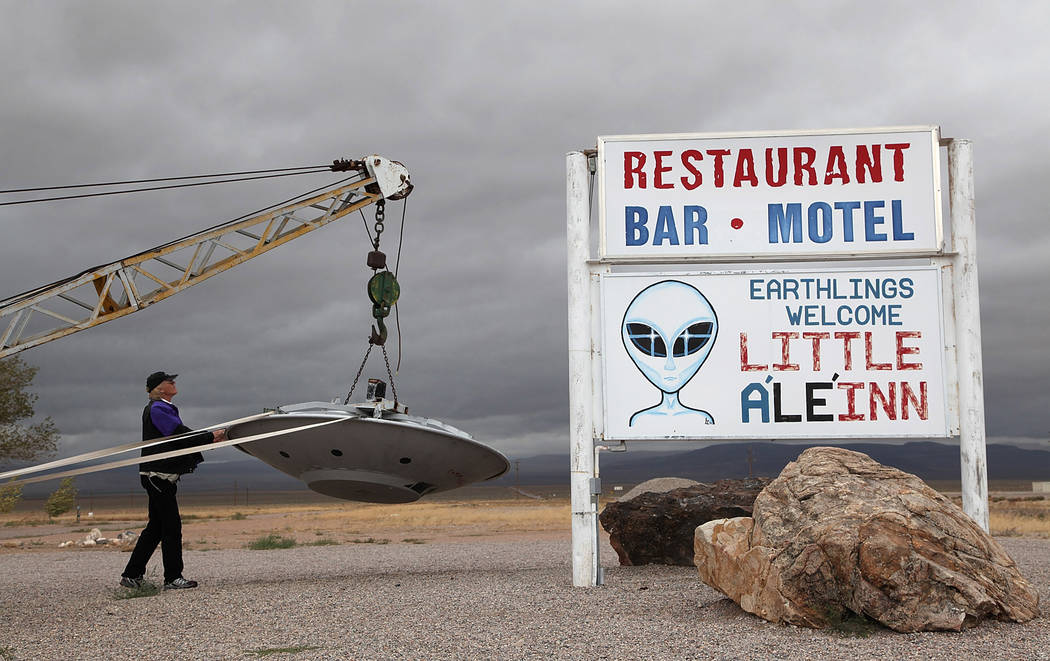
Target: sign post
(585, 567)
(837, 314)
(972, 451)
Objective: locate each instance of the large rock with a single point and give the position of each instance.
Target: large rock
(657, 528)
(839, 532)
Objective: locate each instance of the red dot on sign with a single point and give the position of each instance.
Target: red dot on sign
(736, 223)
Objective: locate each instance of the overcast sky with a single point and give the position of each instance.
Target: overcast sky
(481, 101)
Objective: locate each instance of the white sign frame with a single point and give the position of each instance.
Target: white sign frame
(956, 256)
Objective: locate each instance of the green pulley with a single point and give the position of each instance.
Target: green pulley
(383, 291)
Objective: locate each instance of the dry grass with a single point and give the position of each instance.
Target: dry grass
(516, 515)
(497, 515)
(219, 526)
(1019, 516)
(222, 526)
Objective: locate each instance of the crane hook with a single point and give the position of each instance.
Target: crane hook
(383, 291)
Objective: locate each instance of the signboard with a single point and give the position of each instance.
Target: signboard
(770, 195)
(850, 342)
(846, 353)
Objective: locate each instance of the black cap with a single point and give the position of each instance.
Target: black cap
(157, 378)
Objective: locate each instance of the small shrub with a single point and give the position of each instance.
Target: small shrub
(414, 540)
(324, 541)
(62, 500)
(370, 540)
(148, 588)
(238, 516)
(10, 494)
(284, 650)
(270, 542)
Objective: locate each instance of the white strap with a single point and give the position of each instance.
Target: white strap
(128, 447)
(174, 453)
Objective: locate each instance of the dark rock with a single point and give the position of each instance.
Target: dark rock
(658, 528)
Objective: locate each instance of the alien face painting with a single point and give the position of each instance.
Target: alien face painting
(668, 330)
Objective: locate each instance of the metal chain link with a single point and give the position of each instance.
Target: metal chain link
(380, 217)
(359, 370)
(390, 374)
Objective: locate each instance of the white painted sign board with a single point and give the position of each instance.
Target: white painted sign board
(835, 353)
(771, 194)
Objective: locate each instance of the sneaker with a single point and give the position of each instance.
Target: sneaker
(130, 582)
(179, 584)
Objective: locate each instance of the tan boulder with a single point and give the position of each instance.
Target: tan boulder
(838, 532)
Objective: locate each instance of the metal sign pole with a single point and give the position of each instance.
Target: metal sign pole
(581, 410)
(972, 451)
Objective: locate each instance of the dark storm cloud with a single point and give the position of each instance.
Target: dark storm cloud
(481, 101)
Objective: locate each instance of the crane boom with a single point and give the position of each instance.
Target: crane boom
(114, 290)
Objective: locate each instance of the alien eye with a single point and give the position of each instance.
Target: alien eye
(692, 339)
(647, 340)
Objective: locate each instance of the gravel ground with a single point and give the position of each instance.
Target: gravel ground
(484, 599)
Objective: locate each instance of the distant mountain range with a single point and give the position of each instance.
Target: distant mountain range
(930, 461)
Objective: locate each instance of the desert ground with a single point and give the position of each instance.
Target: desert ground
(482, 574)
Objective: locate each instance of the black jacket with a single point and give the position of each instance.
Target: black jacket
(187, 463)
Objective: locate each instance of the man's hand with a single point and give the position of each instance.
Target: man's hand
(218, 435)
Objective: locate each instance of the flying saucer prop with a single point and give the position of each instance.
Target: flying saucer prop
(374, 453)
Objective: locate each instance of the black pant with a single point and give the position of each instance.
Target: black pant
(164, 527)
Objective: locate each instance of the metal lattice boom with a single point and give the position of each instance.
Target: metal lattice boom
(114, 290)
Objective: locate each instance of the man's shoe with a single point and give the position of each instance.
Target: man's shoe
(130, 582)
(179, 584)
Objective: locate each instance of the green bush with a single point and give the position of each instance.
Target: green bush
(62, 500)
(270, 542)
(10, 494)
(148, 588)
(284, 650)
(324, 541)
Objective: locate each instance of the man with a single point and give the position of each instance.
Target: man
(161, 418)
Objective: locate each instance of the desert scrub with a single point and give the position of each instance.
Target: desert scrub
(370, 540)
(148, 588)
(324, 541)
(284, 650)
(270, 542)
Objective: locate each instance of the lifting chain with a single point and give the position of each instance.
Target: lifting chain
(358, 376)
(380, 217)
(393, 386)
(383, 291)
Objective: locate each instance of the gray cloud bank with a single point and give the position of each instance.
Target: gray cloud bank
(481, 101)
